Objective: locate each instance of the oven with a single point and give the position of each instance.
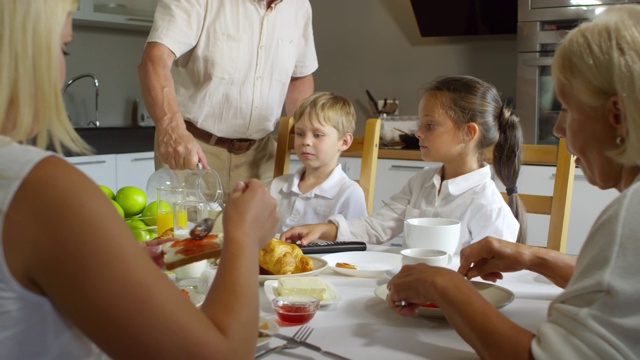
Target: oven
(541, 26)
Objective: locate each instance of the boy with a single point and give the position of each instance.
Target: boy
(323, 128)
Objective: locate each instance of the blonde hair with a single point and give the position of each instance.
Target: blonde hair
(30, 95)
(600, 59)
(328, 109)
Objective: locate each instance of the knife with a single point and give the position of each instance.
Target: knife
(315, 348)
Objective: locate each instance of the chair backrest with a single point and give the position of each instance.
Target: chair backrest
(558, 205)
(365, 147)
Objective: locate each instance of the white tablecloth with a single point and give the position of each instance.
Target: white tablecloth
(362, 327)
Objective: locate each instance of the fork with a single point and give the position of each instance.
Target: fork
(284, 346)
(303, 334)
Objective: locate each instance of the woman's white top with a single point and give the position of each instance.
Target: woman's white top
(473, 199)
(336, 195)
(598, 314)
(30, 327)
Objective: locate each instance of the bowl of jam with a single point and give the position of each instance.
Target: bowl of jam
(295, 309)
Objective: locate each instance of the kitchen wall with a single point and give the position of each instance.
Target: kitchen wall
(112, 56)
(361, 44)
(376, 45)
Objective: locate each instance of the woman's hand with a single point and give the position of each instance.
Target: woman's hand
(250, 213)
(490, 257)
(306, 234)
(153, 248)
(413, 288)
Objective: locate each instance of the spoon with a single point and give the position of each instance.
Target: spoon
(202, 228)
(394, 210)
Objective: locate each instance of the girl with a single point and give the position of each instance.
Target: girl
(460, 117)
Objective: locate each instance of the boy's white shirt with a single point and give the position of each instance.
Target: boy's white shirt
(336, 195)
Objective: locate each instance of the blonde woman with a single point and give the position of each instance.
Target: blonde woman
(596, 72)
(323, 126)
(73, 282)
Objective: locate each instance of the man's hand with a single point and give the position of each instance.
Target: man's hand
(176, 147)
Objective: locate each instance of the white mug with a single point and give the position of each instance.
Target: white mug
(431, 257)
(432, 233)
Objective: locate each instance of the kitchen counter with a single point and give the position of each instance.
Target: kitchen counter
(118, 140)
(399, 154)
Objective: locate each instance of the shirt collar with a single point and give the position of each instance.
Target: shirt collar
(464, 182)
(327, 189)
(275, 3)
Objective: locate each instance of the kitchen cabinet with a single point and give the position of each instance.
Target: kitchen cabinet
(134, 169)
(123, 14)
(586, 204)
(100, 168)
(391, 176)
(117, 170)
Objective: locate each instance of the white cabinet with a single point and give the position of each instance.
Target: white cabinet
(586, 203)
(117, 170)
(134, 169)
(100, 168)
(125, 14)
(392, 175)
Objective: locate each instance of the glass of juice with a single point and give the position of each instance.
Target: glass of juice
(171, 195)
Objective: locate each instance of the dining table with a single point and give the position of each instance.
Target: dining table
(361, 326)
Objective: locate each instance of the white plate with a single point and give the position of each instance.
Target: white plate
(369, 263)
(273, 328)
(271, 289)
(319, 264)
(494, 294)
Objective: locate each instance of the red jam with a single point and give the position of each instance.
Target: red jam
(295, 314)
(430, 305)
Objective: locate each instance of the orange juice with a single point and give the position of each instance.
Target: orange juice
(165, 221)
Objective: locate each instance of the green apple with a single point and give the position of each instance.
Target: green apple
(139, 229)
(118, 208)
(132, 199)
(150, 212)
(108, 192)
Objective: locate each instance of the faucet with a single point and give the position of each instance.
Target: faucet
(95, 122)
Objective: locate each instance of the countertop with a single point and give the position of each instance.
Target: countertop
(118, 140)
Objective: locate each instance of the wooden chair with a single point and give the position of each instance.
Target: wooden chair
(365, 147)
(557, 206)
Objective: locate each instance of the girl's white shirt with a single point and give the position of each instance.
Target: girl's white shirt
(473, 199)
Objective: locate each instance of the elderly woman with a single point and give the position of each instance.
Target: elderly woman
(73, 282)
(596, 72)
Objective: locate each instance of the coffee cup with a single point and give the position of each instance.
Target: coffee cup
(433, 257)
(432, 233)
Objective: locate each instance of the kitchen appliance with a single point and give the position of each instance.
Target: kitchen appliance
(141, 116)
(541, 26)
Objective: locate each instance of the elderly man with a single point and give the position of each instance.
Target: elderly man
(215, 75)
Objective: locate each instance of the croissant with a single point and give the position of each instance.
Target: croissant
(280, 258)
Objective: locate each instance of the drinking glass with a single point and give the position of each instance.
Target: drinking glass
(170, 195)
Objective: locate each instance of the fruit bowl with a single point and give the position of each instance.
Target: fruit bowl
(295, 309)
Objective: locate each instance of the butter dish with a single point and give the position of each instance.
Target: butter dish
(271, 290)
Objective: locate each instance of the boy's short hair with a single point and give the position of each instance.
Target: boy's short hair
(328, 109)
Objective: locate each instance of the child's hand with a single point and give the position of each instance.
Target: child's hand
(307, 234)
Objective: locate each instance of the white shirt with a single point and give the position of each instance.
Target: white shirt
(30, 326)
(598, 314)
(473, 199)
(235, 60)
(336, 195)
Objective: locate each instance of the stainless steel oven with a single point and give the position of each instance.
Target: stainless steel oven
(541, 26)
